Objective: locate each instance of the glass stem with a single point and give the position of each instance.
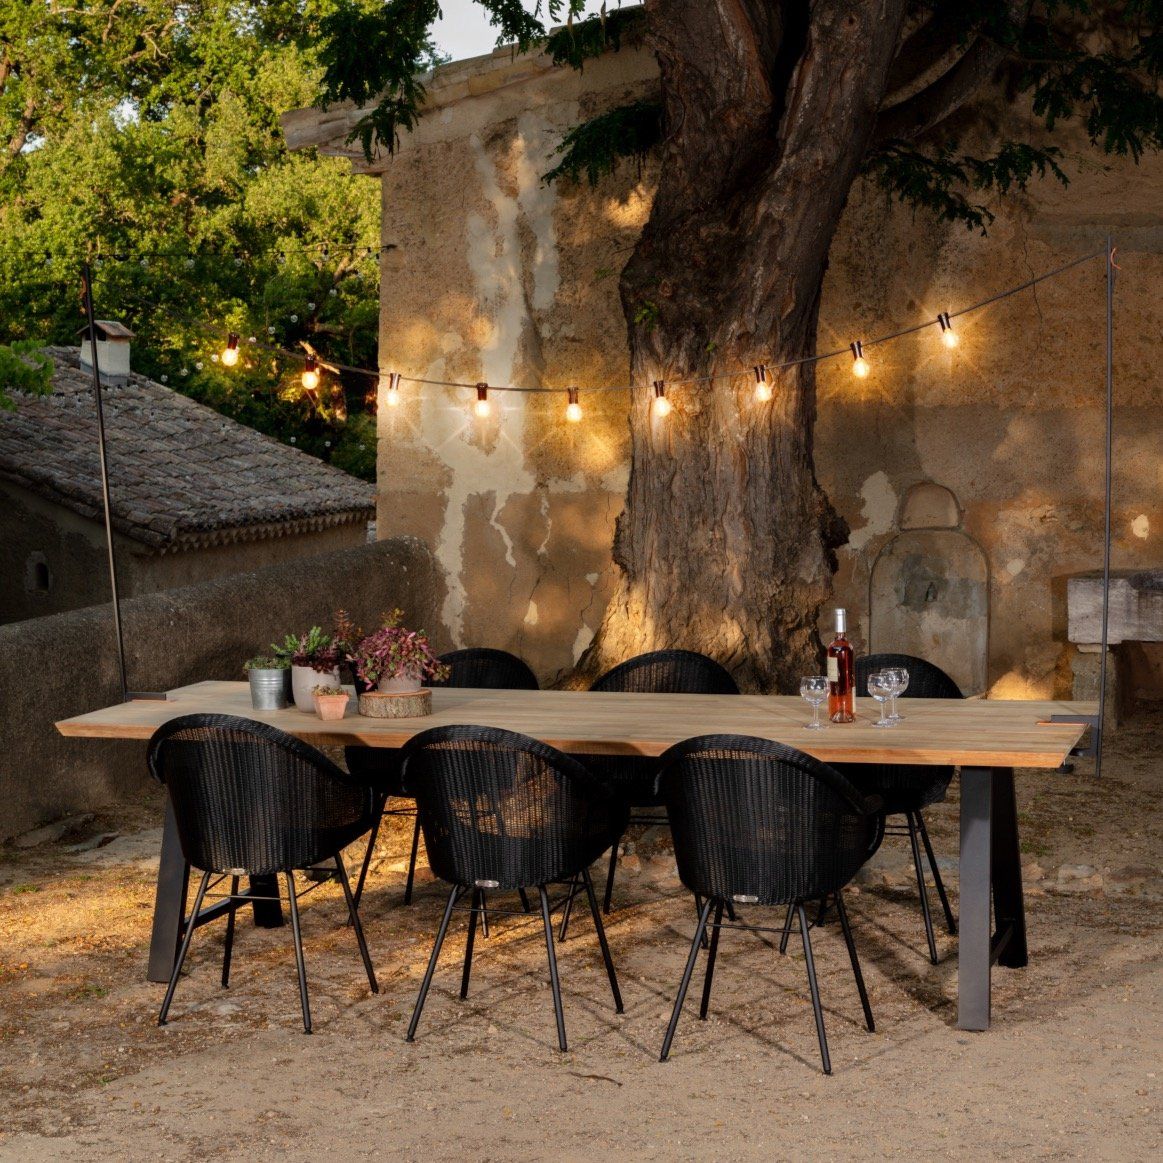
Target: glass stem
(816, 712)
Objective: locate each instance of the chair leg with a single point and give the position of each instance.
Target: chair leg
(814, 988)
(698, 913)
(920, 870)
(786, 928)
(452, 896)
(847, 928)
(553, 979)
(229, 945)
(708, 977)
(183, 950)
(353, 920)
(412, 862)
(525, 902)
(484, 911)
(593, 899)
(696, 944)
(472, 932)
(822, 912)
(371, 847)
(300, 964)
(567, 912)
(950, 920)
(610, 877)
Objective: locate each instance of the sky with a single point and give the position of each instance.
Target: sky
(465, 31)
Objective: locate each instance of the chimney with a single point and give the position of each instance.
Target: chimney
(112, 351)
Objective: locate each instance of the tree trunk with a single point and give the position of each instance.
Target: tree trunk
(726, 542)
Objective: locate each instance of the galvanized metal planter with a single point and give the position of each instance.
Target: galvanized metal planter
(270, 690)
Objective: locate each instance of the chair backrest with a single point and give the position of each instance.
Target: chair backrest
(756, 820)
(481, 666)
(669, 672)
(502, 808)
(247, 795)
(926, 680)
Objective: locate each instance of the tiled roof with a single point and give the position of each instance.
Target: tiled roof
(180, 474)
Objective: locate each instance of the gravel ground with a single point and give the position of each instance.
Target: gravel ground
(1071, 1067)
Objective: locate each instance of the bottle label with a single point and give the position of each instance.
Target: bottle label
(833, 669)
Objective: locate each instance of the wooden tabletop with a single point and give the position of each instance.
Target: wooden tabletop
(969, 732)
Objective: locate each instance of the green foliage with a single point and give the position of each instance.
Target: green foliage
(265, 662)
(937, 183)
(150, 130)
(579, 42)
(596, 147)
(23, 368)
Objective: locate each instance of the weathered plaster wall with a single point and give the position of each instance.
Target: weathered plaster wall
(73, 550)
(493, 276)
(55, 667)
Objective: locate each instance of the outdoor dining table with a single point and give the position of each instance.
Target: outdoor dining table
(987, 739)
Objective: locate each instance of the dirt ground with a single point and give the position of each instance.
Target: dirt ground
(1071, 1067)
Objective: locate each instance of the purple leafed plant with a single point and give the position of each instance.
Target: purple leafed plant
(394, 651)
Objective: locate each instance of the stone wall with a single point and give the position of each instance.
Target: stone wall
(492, 275)
(71, 549)
(54, 667)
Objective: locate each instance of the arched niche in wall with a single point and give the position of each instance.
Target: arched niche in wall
(929, 589)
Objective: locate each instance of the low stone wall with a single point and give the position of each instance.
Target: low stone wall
(66, 664)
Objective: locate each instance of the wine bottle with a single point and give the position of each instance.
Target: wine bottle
(841, 673)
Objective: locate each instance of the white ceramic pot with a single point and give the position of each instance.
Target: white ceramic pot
(402, 684)
(304, 679)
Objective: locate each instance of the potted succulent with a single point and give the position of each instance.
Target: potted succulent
(330, 702)
(270, 682)
(313, 657)
(396, 660)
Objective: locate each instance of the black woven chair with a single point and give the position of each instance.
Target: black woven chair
(250, 800)
(664, 672)
(501, 811)
(758, 823)
(475, 667)
(906, 789)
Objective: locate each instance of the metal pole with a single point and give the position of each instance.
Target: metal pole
(87, 281)
(1106, 542)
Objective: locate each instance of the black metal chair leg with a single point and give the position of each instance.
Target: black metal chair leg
(920, 870)
(411, 1035)
(353, 920)
(821, 912)
(525, 901)
(698, 912)
(814, 988)
(708, 977)
(474, 909)
(183, 950)
(786, 928)
(412, 862)
(371, 847)
(950, 920)
(567, 911)
(484, 911)
(553, 979)
(300, 964)
(700, 929)
(610, 877)
(847, 928)
(228, 947)
(593, 899)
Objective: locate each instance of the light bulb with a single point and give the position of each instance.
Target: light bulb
(949, 337)
(310, 374)
(573, 410)
(393, 394)
(860, 366)
(482, 407)
(762, 387)
(662, 406)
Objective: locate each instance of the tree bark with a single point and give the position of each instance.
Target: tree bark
(726, 544)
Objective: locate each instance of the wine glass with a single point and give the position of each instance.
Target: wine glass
(814, 690)
(880, 688)
(898, 678)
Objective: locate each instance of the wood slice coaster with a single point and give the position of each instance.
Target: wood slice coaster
(395, 705)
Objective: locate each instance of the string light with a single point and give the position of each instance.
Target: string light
(949, 337)
(310, 373)
(762, 387)
(482, 407)
(860, 366)
(230, 353)
(392, 395)
(662, 406)
(573, 409)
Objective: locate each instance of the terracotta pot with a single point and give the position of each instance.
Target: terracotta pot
(304, 679)
(401, 684)
(330, 707)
